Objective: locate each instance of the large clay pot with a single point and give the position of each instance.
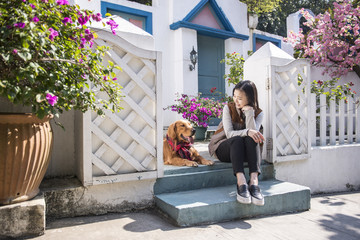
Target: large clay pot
(25, 148)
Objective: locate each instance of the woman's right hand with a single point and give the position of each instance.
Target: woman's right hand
(256, 136)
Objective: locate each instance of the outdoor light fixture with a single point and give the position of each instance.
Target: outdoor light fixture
(193, 59)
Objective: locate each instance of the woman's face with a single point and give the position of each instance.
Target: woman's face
(240, 98)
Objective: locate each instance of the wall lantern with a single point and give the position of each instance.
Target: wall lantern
(193, 59)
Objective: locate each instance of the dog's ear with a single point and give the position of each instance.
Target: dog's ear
(171, 132)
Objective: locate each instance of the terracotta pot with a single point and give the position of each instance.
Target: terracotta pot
(25, 148)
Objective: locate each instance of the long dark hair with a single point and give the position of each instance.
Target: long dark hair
(249, 88)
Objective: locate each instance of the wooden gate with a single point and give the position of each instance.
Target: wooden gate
(289, 107)
(126, 146)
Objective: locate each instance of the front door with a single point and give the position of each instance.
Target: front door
(211, 71)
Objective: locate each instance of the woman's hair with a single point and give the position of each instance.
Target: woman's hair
(249, 88)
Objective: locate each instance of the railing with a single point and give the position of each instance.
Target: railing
(334, 123)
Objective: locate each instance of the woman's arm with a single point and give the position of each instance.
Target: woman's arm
(253, 125)
(228, 127)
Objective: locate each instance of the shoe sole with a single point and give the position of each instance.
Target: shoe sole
(243, 200)
(258, 202)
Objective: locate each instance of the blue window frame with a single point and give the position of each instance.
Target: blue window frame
(265, 39)
(127, 13)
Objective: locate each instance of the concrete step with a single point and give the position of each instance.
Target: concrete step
(218, 204)
(24, 219)
(189, 178)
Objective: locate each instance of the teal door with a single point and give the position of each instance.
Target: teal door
(211, 71)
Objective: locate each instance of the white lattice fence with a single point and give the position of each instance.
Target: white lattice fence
(290, 111)
(334, 123)
(125, 146)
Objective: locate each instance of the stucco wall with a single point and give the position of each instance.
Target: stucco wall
(330, 169)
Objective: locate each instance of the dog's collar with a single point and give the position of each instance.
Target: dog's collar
(181, 148)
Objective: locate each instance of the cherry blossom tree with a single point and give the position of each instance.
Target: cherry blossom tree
(333, 41)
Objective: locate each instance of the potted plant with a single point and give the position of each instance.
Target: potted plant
(48, 62)
(197, 110)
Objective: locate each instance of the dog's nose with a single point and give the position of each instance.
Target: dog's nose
(193, 131)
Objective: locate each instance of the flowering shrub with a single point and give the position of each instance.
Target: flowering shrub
(196, 109)
(333, 40)
(333, 92)
(237, 67)
(47, 58)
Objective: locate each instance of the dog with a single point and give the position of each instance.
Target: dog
(178, 149)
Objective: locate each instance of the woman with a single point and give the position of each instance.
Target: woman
(237, 140)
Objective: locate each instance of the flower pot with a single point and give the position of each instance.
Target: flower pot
(200, 133)
(25, 148)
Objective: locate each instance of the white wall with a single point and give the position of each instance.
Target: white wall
(330, 169)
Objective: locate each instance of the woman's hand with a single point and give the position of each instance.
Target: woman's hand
(256, 136)
(247, 107)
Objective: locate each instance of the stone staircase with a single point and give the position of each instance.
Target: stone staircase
(207, 194)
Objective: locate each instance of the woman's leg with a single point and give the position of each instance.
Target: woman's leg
(233, 150)
(254, 160)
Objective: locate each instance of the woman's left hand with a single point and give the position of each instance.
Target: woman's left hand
(256, 136)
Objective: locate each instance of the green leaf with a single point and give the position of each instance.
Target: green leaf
(24, 55)
(108, 15)
(5, 56)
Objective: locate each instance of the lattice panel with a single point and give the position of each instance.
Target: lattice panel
(290, 110)
(125, 142)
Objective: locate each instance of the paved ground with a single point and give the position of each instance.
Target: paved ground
(334, 216)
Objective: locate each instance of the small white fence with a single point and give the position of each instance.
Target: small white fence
(127, 145)
(334, 123)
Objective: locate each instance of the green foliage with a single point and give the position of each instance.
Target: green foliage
(236, 61)
(261, 6)
(275, 22)
(47, 62)
(332, 90)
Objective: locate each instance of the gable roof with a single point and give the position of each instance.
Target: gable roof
(227, 32)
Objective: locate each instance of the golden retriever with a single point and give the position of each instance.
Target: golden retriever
(178, 149)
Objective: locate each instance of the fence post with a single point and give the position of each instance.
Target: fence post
(341, 121)
(322, 120)
(312, 118)
(332, 122)
(350, 122)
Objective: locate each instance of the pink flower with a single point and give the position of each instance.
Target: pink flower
(53, 34)
(62, 2)
(96, 17)
(15, 51)
(66, 20)
(52, 99)
(113, 25)
(19, 25)
(35, 19)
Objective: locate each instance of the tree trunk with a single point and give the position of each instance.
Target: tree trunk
(356, 69)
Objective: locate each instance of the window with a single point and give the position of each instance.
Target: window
(139, 18)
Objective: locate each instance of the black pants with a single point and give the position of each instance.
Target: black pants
(238, 150)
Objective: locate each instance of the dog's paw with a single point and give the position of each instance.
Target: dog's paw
(191, 164)
(208, 162)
